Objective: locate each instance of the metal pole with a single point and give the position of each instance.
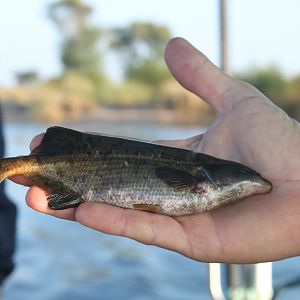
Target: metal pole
(215, 282)
(215, 270)
(243, 282)
(224, 62)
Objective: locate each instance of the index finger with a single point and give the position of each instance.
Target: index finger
(36, 141)
(191, 143)
(36, 198)
(21, 179)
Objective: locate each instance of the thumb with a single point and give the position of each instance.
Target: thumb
(196, 73)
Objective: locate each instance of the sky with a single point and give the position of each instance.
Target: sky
(261, 33)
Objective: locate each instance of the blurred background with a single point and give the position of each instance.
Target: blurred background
(99, 66)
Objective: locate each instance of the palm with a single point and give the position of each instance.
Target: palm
(248, 231)
(249, 129)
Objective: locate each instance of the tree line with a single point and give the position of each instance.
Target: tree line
(146, 81)
(282, 90)
(138, 46)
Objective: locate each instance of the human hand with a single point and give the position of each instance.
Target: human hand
(249, 129)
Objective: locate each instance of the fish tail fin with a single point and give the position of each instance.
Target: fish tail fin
(6, 168)
(14, 166)
(3, 169)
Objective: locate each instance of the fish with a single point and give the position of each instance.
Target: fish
(73, 167)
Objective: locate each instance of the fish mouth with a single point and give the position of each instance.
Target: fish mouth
(263, 186)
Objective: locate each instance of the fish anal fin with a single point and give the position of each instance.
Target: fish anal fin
(147, 207)
(58, 201)
(58, 140)
(178, 179)
(59, 196)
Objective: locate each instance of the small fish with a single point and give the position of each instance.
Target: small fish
(74, 167)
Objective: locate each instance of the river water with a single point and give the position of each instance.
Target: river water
(61, 260)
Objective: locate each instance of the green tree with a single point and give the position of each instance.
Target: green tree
(284, 92)
(27, 78)
(141, 47)
(270, 81)
(79, 51)
(293, 90)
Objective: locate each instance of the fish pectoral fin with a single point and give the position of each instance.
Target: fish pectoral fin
(177, 179)
(59, 196)
(147, 207)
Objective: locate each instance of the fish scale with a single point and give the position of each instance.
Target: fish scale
(74, 167)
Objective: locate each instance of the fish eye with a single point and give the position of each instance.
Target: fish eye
(244, 171)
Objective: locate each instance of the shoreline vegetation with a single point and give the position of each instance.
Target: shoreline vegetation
(73, 98)
(84, 91)
(20, 104)
(145, 92)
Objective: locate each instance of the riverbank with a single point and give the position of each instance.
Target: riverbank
(20, 114)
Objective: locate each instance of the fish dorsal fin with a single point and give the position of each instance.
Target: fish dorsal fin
(178, 179)
(58, 140)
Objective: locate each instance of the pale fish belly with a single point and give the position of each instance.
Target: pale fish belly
(167, 202)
